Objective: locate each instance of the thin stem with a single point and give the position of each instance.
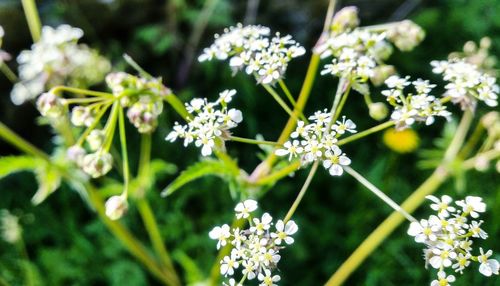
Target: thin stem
(111, 126)
(9, 74)
(338, 110)
(177, 105)
(74, 90)
(287, 92)
(366, 132)
(278, 99)
(93, 125)
(279, 174)
(83, 100)
(378, 193)
(252, 141)
(33, 19)
(337, 98)
(9, 136)
(123, 142)
(430, 185)
(137, 67)
(302, 192)
(488, 155)
(473, 140)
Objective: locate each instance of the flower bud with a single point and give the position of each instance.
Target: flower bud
(116, 80)
(345, 19)
(116, 207)
(81, 116)
(95, 139)
(482, 163)
(76, 153)
(406, 35)
(378, 111)
(97, 164)
(50, 105)
(381, 73)
(144, 113)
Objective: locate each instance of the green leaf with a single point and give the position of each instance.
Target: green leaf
(49, 179)
(13, 164)
(204, 168)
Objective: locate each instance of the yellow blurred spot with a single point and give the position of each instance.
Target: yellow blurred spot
(404, 141)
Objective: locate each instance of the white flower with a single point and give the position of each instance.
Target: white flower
(284, 232)
(227, 95)
(228, 265)
(442, 206)
(475, 229)
(472, 205)
(443, 280)
(115, 207)
(441, 258)
(232, 282)
(262, 225)
(249, 269)
(487, 267)
(292, 149)
(334, 161)
(270, 257)
(462, 262)
(244, 209)
(425, 229)
(345, 125)
(267, 279)
(221, 234)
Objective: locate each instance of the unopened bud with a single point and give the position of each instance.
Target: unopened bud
(50, 105)
(381, 73)
(485, 43)
(95, 139)
(490, 119)
(76, 154)
(481, 163)
(345, 19)
(406, 35)
(144, 114)
(378, 111)
(97, 164)
(116, 81)
(81, 116)
(116, 207)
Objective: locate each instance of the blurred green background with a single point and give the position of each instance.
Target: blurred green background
(67, 245)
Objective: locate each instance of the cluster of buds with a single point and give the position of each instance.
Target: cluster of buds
(410, 108)
(209, 124)
(466, 83)
(478, 55)
(359, 52)
(255, 250)
(449, 235)
(10, 228)
(251, 49)
(143, 98)
(57, 59)
(317, 141)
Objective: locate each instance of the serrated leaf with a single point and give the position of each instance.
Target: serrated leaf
(49, 179)
(13, 164)
(201, 169)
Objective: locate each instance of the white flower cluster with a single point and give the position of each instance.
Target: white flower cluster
(256, 249)
(410, 108)
(10, 227)
(358, 51)
(467, 83)
(57, 59)
(448, 237)
(250, 48)
(210, 123)
(317, 142)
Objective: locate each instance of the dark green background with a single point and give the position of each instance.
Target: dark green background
(68, 246)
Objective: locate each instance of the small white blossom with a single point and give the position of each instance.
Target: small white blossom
(472, 205)
(443, 280)
(116, 207)
(487, 267)
(267, 279)
(284, 232)
(442, 206)
(244, 209)
(221, 234)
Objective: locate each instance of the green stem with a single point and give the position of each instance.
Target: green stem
(137, 67)
(33, 19)
(123, 142)
(281, 173)
(473, 140)
(430, 185)
(278, 99)
(9, 74)
(74, 90)
(302, 192)
(83, 100)
(287, 92)
(93, 125)
(251, 141)
(177, 105)
(111, 126)
(378, 193)
(338, 110)
(9, 136)
(366, 132)
(337, 98)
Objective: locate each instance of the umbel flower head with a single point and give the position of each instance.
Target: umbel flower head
(57, 59)
(317, 142)
(409, 108)
(251, 49)
(448, 237)
(359, 53)
(210, 124)
(466, 83)
(256, 250)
